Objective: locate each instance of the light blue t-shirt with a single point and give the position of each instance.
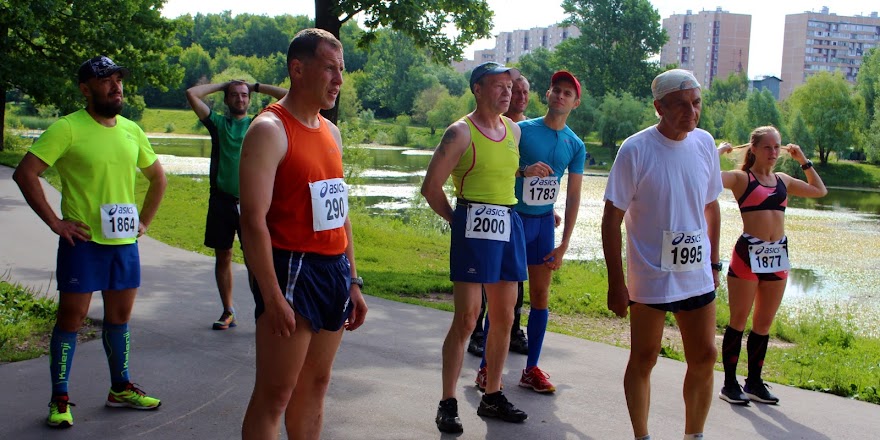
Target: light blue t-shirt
(561, 149)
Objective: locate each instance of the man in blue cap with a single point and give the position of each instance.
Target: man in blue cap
(480, 151)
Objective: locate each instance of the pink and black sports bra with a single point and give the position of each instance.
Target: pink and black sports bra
(759, 197)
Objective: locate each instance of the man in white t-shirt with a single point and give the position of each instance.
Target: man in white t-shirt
(664, 184)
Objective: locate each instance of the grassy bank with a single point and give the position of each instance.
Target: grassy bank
(26, 321)
(171, 121)
(409, 263)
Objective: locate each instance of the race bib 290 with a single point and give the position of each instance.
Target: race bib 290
(329, 204)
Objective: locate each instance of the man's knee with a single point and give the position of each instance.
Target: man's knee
(643, 359)
(313, 385)
(705, 357)
(223, 256)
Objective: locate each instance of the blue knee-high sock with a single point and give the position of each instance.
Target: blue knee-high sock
(536, 328)
(61, 348)
(117, 340)
(485, 338)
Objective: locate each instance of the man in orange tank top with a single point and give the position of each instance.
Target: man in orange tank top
(298, 243)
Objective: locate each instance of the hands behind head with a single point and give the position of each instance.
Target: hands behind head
(725, 148)
(795, 152)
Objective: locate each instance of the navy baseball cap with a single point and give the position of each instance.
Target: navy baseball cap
(491, 68)
(100, 67)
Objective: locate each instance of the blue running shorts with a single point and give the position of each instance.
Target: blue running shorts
(473, 260)
(316, 286)
(89, 267)
(538, 230)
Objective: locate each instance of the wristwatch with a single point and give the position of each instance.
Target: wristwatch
(357, 280)
(807, 165)
(717, 266)
(522, 170)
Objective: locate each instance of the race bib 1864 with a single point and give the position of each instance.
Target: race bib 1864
(329, 204)
(488, 222)
(682, 251)
(539, 191)
(769, 257)
(119, 220)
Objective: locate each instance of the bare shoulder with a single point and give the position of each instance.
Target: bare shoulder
(455, 139)
(265, 137)
(337, 135)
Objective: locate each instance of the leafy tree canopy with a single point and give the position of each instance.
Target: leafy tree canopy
(830, 111)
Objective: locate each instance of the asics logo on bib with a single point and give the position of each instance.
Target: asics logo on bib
(688, 239)
(335, 188)
(768, 250)
(491, 211)
(540, 181)
(121, 210)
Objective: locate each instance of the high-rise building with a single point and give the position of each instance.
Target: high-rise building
(822, 41)
(711, 44)
(510, 46)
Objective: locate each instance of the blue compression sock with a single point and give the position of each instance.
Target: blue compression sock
(117, 340)
(61, 349)
(485, 338)
(537, 327)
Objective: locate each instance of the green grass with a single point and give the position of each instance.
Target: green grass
(849, 174)
(171, 121)
(409, 263)
(26, 321)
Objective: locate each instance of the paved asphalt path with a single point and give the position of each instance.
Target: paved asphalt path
(386, 381)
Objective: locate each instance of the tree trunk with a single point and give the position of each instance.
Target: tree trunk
(328, 19)
(2, 117)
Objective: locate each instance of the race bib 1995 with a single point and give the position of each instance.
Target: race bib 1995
(329, 204)
(119, 220)
(488, 222)
(682, 251)
(539, 191)
(769, 257)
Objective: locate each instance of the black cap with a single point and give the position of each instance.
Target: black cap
(100, 67)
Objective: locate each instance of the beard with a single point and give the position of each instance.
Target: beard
(106, 108)
(237, 111)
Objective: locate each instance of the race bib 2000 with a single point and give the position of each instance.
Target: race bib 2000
(488, 222)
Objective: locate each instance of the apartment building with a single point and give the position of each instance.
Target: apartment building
(510, 46)
(822, 41)
(711, 44)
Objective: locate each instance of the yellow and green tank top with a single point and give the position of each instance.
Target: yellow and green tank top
(486, 171)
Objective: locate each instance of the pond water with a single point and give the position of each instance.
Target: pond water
(833, 240)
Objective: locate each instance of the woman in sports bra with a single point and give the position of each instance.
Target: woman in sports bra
(759, 265)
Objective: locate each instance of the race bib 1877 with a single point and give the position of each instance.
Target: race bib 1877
(329, 204)
(769, 257)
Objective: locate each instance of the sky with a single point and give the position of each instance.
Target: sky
(768, 18)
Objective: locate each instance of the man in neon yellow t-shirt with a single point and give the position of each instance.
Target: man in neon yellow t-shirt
(227, 133)
(97, 153)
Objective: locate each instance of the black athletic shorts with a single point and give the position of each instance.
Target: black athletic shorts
(316, 286)
(222, 222)
(685, 305)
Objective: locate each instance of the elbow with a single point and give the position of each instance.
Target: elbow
(823, 192)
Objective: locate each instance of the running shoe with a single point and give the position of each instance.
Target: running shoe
(475, 346)
(536, 379)
(132, 397)
(59, 412)
(227, 320)
(733, 393)
(497, 406)
(759, 392)
(519, 343)
(447, 416)
(482, 379)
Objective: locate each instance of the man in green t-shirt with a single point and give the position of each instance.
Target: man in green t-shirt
(227, 132)
(97, 153)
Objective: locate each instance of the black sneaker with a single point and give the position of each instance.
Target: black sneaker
(733, 394)
(496, 405)
(759, 392)
(475, 347)
(519, 343)
(447, 416)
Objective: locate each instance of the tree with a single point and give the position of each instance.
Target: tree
(734, 88)
(617, 39)
(425, 22)
(761, 109)
(46, 41)
(426, 101)
(619, 117)
(396, 72)
(868, 83)
(830, 112)
(538, 66)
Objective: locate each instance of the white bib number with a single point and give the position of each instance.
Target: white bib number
(769, 257)
(119, 220)
(329, 204)
(682, 251)
(539, 191)
(488, 222)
